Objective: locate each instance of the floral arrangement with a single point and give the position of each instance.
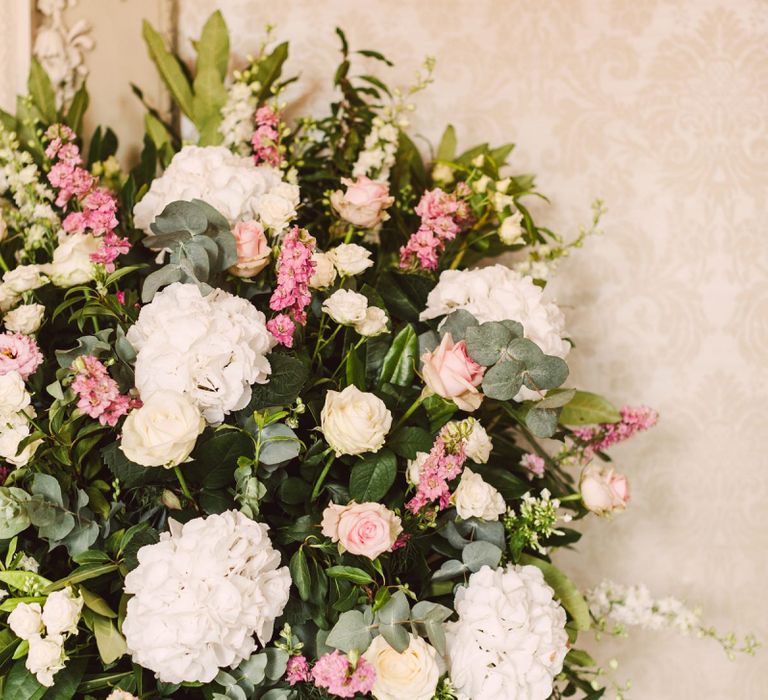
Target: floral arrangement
(269, 428)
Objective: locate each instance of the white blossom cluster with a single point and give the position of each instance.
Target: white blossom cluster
(15, 414)
(379, 149)
(536, 519)
(509, 641)
(33, 215)
(201, 594)
(209, 348)
(236, 125)
(46, 629)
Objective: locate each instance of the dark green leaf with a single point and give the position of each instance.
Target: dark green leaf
(407, 441)
(373, 476)
(349, 573)
(42, 93)
(286, 381)
(399, 364)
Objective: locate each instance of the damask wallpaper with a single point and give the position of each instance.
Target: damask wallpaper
(660, 107)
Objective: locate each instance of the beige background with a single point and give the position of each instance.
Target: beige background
(661, 108)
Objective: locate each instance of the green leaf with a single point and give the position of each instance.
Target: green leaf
(159, 278)
(396, 636)
(81, 573)
(77, 109)
(486, 342)
(447, 148)
(349, 573)
(299, 569)
(96, 603)
(170, 69)
(405, 295)
(586, 408)
(448, 570)
(399, 364)
(578, 657)
(542, 422)
(407, 441)
(26, 581)
(270, 68)
(503, 380)
(67, 680)
(210, 96)
(565, 590)
(350, 633)
(549, 373)
(556, 398)
(213, 45)
(478, 554)
(214, 461)
(42, 93)
(110, 643)
(286, 381)
(20, 684)
(279, 444)
(355, 369)
(373, 476)
(130, 474)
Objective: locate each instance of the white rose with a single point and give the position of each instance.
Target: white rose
(374, 322)
(413, 473)
(354, 421)
(346, 307)
(474, 498)
(120, 694)
(14, 428)
(45, 658)
(8, 298)
(62, 611)
(478, 446)
(72, 260)
(14, 396)
(413, 674)
(25, 319)
(163, 432)
(24, 278)
(511, 231)
(350, 259)
(25, 620)
(325, 273)
(278, 207)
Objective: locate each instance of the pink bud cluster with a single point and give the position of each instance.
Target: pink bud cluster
(601, 437)
(98, 394)
(534, 464)
(266, 139)
(96, 211)
(341, 678)
(19, 353)
(297, 670)
(295, 268)
(443, 215)
(443, 464)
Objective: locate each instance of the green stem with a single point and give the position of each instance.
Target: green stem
(344, 359)
(323, 474)
(3, 264)
(410, 411)
(184, 488)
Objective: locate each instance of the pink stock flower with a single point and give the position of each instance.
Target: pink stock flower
(19, 353)
(266, 138)
(601, 437)
(443, 216)
(335, 673)
(99, 395)
(282, 328)
(295, 268)
(297, 670)
(112, 246)
(450, 372)
(534, 464)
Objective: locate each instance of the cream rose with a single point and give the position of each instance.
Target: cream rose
(413, 674)
(603, 491)
(415, 465)
(363, 203)
(511, 230)
(26, 620)
(25, 319)
(278, 207)
(62, 611)
(374, 322)
(350, 259)
(478, 446)
(346, 307)
(14, 396)
(354, 421)
(8, 298)
(119, 694)
(325, 273)
(163, 432)
(72, 260)
(474, 498)
(45, 658)
(24, 278)
(451, 373)
(365, 529)
(253, 251)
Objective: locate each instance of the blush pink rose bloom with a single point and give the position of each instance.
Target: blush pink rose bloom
(366, 529)
(253, 252)
(451, 373)
(363, 203)
(603, 491)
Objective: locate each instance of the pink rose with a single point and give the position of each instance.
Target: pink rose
(451, 373)
(603, 491)
(367, 529)
(253, 252)
(363, 203)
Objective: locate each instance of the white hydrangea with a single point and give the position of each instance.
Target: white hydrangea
(211, 348)
(231, 184)
(509, 642)
(201, 594)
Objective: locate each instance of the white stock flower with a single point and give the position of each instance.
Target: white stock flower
(14, 396)
(509, 641)
(413, 472)
(72, 263)
(354, 421)
(26, 621)
(163, 432)
(346, 307)
(231, 184)
(200, 595)
(62, 611)
(412, 674)
(210, 348)
(25, 319)
(478, 446)
(14, 427)
(373, 323)
(511, 229)
(325, 273)
(24, 278)
(475, 498)
(350, 259)
(45, 658)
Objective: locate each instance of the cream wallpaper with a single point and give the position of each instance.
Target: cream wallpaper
(660, 107)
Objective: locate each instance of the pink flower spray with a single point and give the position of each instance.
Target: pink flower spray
(601, 437)
(98, 394)
(335, 673)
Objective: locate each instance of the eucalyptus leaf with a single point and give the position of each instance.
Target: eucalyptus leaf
(486, 342)
(503, 380)
(478, 554)
(457, 323)
(350, 633)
